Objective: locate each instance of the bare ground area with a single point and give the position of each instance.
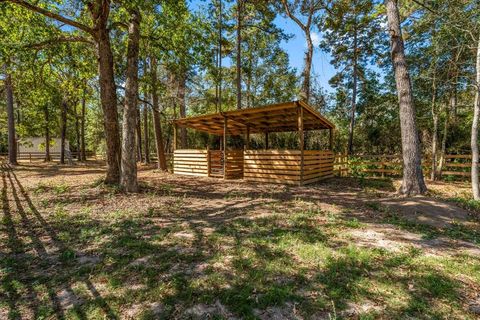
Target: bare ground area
(195, 248)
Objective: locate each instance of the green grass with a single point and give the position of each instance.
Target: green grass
(296, 255)
(469, 204)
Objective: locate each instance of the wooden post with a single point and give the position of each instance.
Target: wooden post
(266, 140)
(331, 139)
(247, 138)
(301, 139)
(174, 136)
(225, 124)
(208, 161)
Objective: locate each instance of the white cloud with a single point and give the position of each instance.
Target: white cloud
(315, 39)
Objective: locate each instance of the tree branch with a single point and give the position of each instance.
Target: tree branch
(50, 14)
(54, 41)
(291, 16)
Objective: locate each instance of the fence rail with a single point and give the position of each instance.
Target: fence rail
(453, 165)
(41, 155)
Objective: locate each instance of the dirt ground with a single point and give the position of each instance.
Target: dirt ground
(64, 234)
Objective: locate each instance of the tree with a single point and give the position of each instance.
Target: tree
(476, 119)
(351, 36)
(413, 182)
(12, 140)
(99, 14)
(157, 125)
(310, 10)
(238, 65)
(129, 160)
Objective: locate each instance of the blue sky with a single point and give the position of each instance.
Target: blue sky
(322, 70)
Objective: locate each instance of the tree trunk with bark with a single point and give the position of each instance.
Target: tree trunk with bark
(129, 159)
(12, 139)
(310, 9)
(433, 173)
(47, 134)
(139, 137)
(83, 152)
(146, 134)
(474, 139)
(63, 131)
(77, 133)
(305, 90)
(108, 98)
(157, 125)
(354, 95)
(413, 182)
(239, 53)
(182, 83)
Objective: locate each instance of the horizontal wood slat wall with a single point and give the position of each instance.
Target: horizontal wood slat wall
(284, 166)
(190, 162)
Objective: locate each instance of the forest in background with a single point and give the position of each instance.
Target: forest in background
(72, 67)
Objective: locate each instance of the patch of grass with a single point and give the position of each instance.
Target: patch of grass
(60, 189)
(468, 204)
(455, 231)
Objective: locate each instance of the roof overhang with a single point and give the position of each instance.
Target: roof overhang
(281, 117)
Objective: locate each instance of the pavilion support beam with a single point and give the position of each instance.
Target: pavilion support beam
(266, 140)
(225, 128)
(301, 141)
(247, 138)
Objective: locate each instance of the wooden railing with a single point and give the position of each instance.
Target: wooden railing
(41, 155)
(391, 165)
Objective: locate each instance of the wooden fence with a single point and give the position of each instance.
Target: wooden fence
(41, 155)
(454, 165)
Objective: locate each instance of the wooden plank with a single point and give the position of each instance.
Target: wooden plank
(272, 171)
(273, 157)
(270, 180)
(287, 152)
(456, 173)
(190, 151)
(185, 162)
(272, 176)
(458, 165)
(191, 174)
(458, 156)
(273, 167)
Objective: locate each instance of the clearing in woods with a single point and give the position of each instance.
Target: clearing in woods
(189, 247)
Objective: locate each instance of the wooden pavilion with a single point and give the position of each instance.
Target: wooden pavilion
(274, 166)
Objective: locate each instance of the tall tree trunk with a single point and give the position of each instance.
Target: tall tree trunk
(82, 126)
(354, 95)
(63, 131)
(443, 148)
(47, 134)
(146, 134)
(157, 125)
(182, 83)
(413, 181)
(12, 139)
(219, 64)
(139, 137)
(239, 53)
(129, 159)
(305, 89)
(474, 140)
(77, 133)
(108, 98)
(433, 173)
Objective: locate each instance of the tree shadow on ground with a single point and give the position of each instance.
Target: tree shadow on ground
(219, 261)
